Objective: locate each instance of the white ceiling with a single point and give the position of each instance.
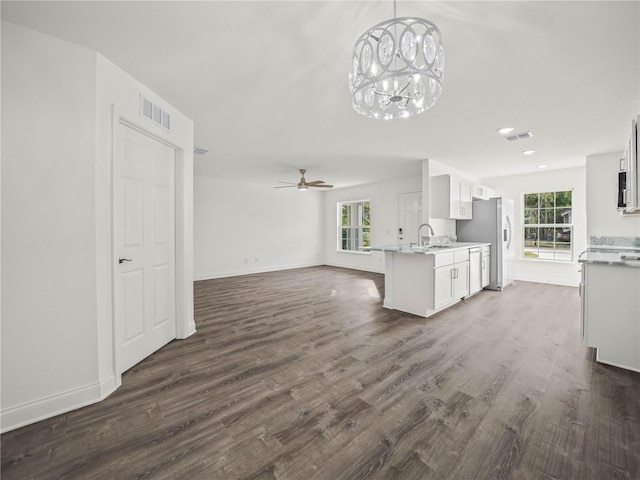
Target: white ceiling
(266, 82)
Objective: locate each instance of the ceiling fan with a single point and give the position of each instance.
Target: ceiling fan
(304, 185)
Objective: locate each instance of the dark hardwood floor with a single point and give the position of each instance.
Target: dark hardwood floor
(302, 375)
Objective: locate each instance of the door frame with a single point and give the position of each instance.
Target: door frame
(398, 200)
(185, 325)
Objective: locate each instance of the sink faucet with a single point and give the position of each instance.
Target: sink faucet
(420, 242)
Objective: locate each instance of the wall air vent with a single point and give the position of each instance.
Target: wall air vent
(154, 113)
(518, 136)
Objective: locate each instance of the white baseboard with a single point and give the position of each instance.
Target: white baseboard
(32, 412)
(191, 329)
(555, 281)
(356, 267)
(250, 271)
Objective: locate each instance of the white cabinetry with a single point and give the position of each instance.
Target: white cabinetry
(451, 197)
(450, 277)
(611, 313)
(426, 283)
(479, 264)
(485, 266)
(475, 270)
(482, 192)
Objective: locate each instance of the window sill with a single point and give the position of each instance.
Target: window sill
(357, 252)
(547, 260)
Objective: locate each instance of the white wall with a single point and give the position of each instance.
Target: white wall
(57, 328)
(603, 219)
(49, 333)
(547, 271)
(242, 228)
(384, 221)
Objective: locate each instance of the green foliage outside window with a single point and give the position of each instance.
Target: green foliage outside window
(548, 225)
(355, 226)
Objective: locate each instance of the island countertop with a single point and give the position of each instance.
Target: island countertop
(428, 249)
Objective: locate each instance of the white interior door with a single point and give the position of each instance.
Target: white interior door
(409, 217)
(144, 241)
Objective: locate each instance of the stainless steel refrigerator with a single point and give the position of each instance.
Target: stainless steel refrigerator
(493, 221)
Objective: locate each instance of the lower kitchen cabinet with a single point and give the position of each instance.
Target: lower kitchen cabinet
(485, 266)
(611, 313)
(475, 270)
(450, 278)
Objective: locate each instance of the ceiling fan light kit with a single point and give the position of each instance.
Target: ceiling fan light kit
(397, 68)
(303, 185)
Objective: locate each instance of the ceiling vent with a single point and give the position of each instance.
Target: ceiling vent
(518, 136)
(154, 113)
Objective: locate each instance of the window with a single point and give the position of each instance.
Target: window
(547, 223)
(354, 226)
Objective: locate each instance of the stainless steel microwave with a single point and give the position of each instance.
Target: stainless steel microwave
(629, 175)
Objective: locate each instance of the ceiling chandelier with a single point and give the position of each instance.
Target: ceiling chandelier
(397, 68)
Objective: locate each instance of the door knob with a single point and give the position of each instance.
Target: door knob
(121, 260)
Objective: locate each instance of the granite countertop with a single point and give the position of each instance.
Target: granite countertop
(625, 257)
(428, 249)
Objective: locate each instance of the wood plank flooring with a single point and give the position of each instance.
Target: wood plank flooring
(302, 375)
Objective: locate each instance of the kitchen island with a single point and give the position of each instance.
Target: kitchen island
(425, 280)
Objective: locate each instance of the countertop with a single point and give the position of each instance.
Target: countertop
(625, 257)
(429, 249)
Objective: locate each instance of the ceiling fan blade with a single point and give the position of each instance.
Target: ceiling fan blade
(303, 184)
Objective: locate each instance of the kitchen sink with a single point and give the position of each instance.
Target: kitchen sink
(425, 248)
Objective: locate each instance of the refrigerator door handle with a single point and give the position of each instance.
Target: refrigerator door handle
(508, 236)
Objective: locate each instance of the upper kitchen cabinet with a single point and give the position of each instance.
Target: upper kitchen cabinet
(481, 192)
(451, 197)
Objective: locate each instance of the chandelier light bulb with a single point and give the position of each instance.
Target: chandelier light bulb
(397, 68)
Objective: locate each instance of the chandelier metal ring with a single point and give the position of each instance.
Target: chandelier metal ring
(396, 76)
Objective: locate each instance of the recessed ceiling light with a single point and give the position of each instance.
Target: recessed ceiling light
(505, 130)
(542, 166)
(528, 152)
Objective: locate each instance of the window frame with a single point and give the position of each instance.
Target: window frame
(360, 248)
(541, 226)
